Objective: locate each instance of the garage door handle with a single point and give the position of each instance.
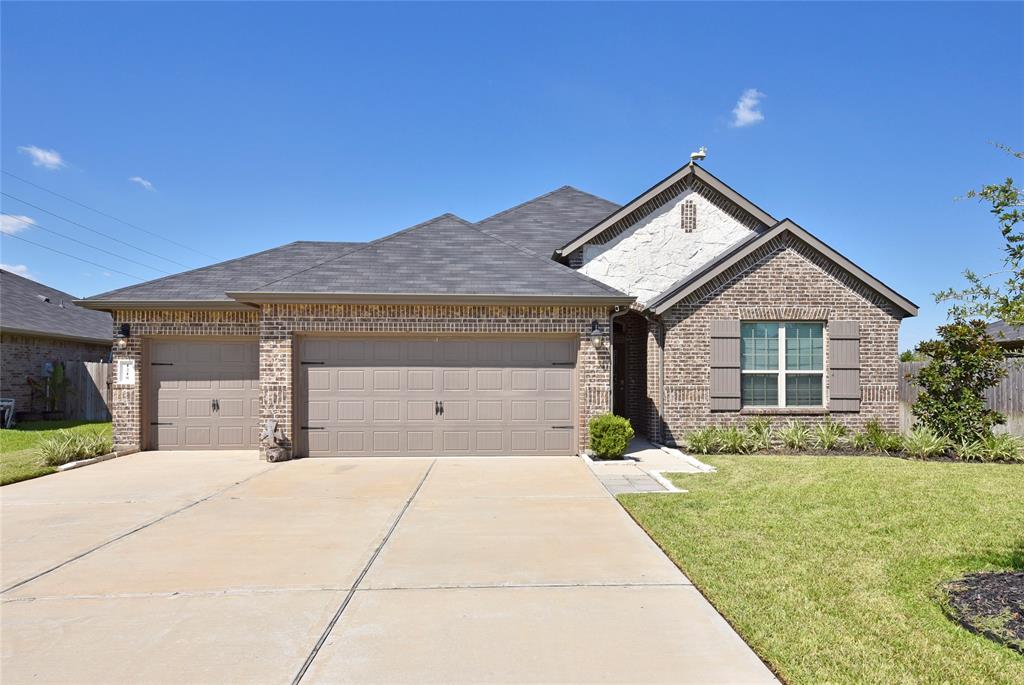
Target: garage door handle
(562, 428)
(161, 363)
(160, 423)
(313, 428)
(562, 363)
(308, 363)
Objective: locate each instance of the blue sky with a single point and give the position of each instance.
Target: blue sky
(259, 124)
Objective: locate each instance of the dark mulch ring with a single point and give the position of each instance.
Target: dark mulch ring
(990, 604)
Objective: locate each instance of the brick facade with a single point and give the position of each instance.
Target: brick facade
(787, 281)
(22, 356)
(126, 403)
(277, 327)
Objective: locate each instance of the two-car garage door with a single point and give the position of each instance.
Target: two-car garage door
(436, 396)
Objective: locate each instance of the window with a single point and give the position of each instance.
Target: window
(782, 364)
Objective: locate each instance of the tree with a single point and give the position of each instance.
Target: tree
(911, 356)
(962, 365)
(982, 298)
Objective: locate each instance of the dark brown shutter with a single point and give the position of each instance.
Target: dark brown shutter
(844, 365)
(725, 365)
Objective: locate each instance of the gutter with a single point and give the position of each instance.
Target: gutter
(421, 298)
(121, 305)
(59, 336)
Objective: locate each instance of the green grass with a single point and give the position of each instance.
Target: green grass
(18, 459)
(830, 567)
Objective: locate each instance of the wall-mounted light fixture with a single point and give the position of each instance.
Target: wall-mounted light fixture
(597, 336)
(123, 333)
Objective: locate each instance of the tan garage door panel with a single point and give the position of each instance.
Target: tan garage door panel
(410, 396)
(204, 394)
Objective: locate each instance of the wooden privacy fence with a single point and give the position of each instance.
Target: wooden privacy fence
(1006, 398)
(89, 399)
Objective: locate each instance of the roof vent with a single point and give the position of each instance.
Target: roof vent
(44, 298)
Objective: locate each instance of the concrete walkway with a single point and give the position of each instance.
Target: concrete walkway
(641, 468)
(216, 567)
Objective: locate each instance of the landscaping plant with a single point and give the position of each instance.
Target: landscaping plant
(874, 438)
(67, 446)
(829, 434)
(992, 447)
(735, 440)
(922, 442)
(795, 436)
(963, 364)
(610, 436)
(762, 435)
(703, 440)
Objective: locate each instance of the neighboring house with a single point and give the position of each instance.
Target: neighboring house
(39, 326)
(1010, 338)
(688, 306)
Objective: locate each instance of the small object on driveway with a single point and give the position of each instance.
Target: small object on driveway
(273, 437)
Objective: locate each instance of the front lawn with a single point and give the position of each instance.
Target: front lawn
(830, 567)
(18, 459)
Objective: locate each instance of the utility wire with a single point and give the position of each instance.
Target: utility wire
(105, 235)
(109, 216)
(47, 247)
(93, 247)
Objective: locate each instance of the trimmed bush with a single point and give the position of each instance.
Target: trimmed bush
(795, 436)
(703, 441)
(922, 442)
(65, 446)
(610, 436)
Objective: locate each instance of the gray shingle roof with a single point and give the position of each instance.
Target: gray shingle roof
(24, 307)
(444, 256)
(245, 273)
(545, 223)
(1005, 333)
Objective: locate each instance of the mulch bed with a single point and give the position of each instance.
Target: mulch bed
(990, 604)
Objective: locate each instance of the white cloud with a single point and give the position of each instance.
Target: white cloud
(142, 182)
(14, 223)
(746, 112)
(48, 159)
(19, 269)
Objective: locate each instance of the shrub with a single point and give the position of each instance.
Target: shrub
(922, 442)
(610, 435)
(992, 447)
(733, 440)
(964, 363)
(874, 438)
(761, 433)
(829, 434)
(703, 441)
(795, 436)
(66, 446)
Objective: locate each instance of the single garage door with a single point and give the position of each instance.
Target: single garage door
(203, 394)
(437, 396)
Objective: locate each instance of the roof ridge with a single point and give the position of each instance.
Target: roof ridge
(190, 271)
(596, 197)
(547, 260)
(524, 203)
(364, 246)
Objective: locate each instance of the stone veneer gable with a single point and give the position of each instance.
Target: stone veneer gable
(782, 280)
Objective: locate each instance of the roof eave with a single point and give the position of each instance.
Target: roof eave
(58, 336)
(677, 292)
(691, 168)
(122, 305)
(256, 298)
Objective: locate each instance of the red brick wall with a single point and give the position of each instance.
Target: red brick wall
(783, 280)
(23, 355)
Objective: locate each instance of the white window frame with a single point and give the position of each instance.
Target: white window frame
(781, 370)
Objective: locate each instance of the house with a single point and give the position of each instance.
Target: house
(688, 306)
(1010, 338)
(40, 325)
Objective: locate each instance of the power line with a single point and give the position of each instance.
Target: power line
(93, 247)
(47, 247)
(109, 216)
(105, 235)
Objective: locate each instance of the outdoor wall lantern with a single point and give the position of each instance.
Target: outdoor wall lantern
(597, 336)
(123, 333)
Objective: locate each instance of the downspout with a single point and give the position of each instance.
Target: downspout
(611, 354)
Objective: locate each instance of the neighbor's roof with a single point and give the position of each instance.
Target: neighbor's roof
(208, 285)
(546, 222)
(444, 259)
(656, 196)
(1005, 333)
(33, 308)
(690, 283)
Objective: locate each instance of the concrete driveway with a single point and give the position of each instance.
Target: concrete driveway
(216, 567)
